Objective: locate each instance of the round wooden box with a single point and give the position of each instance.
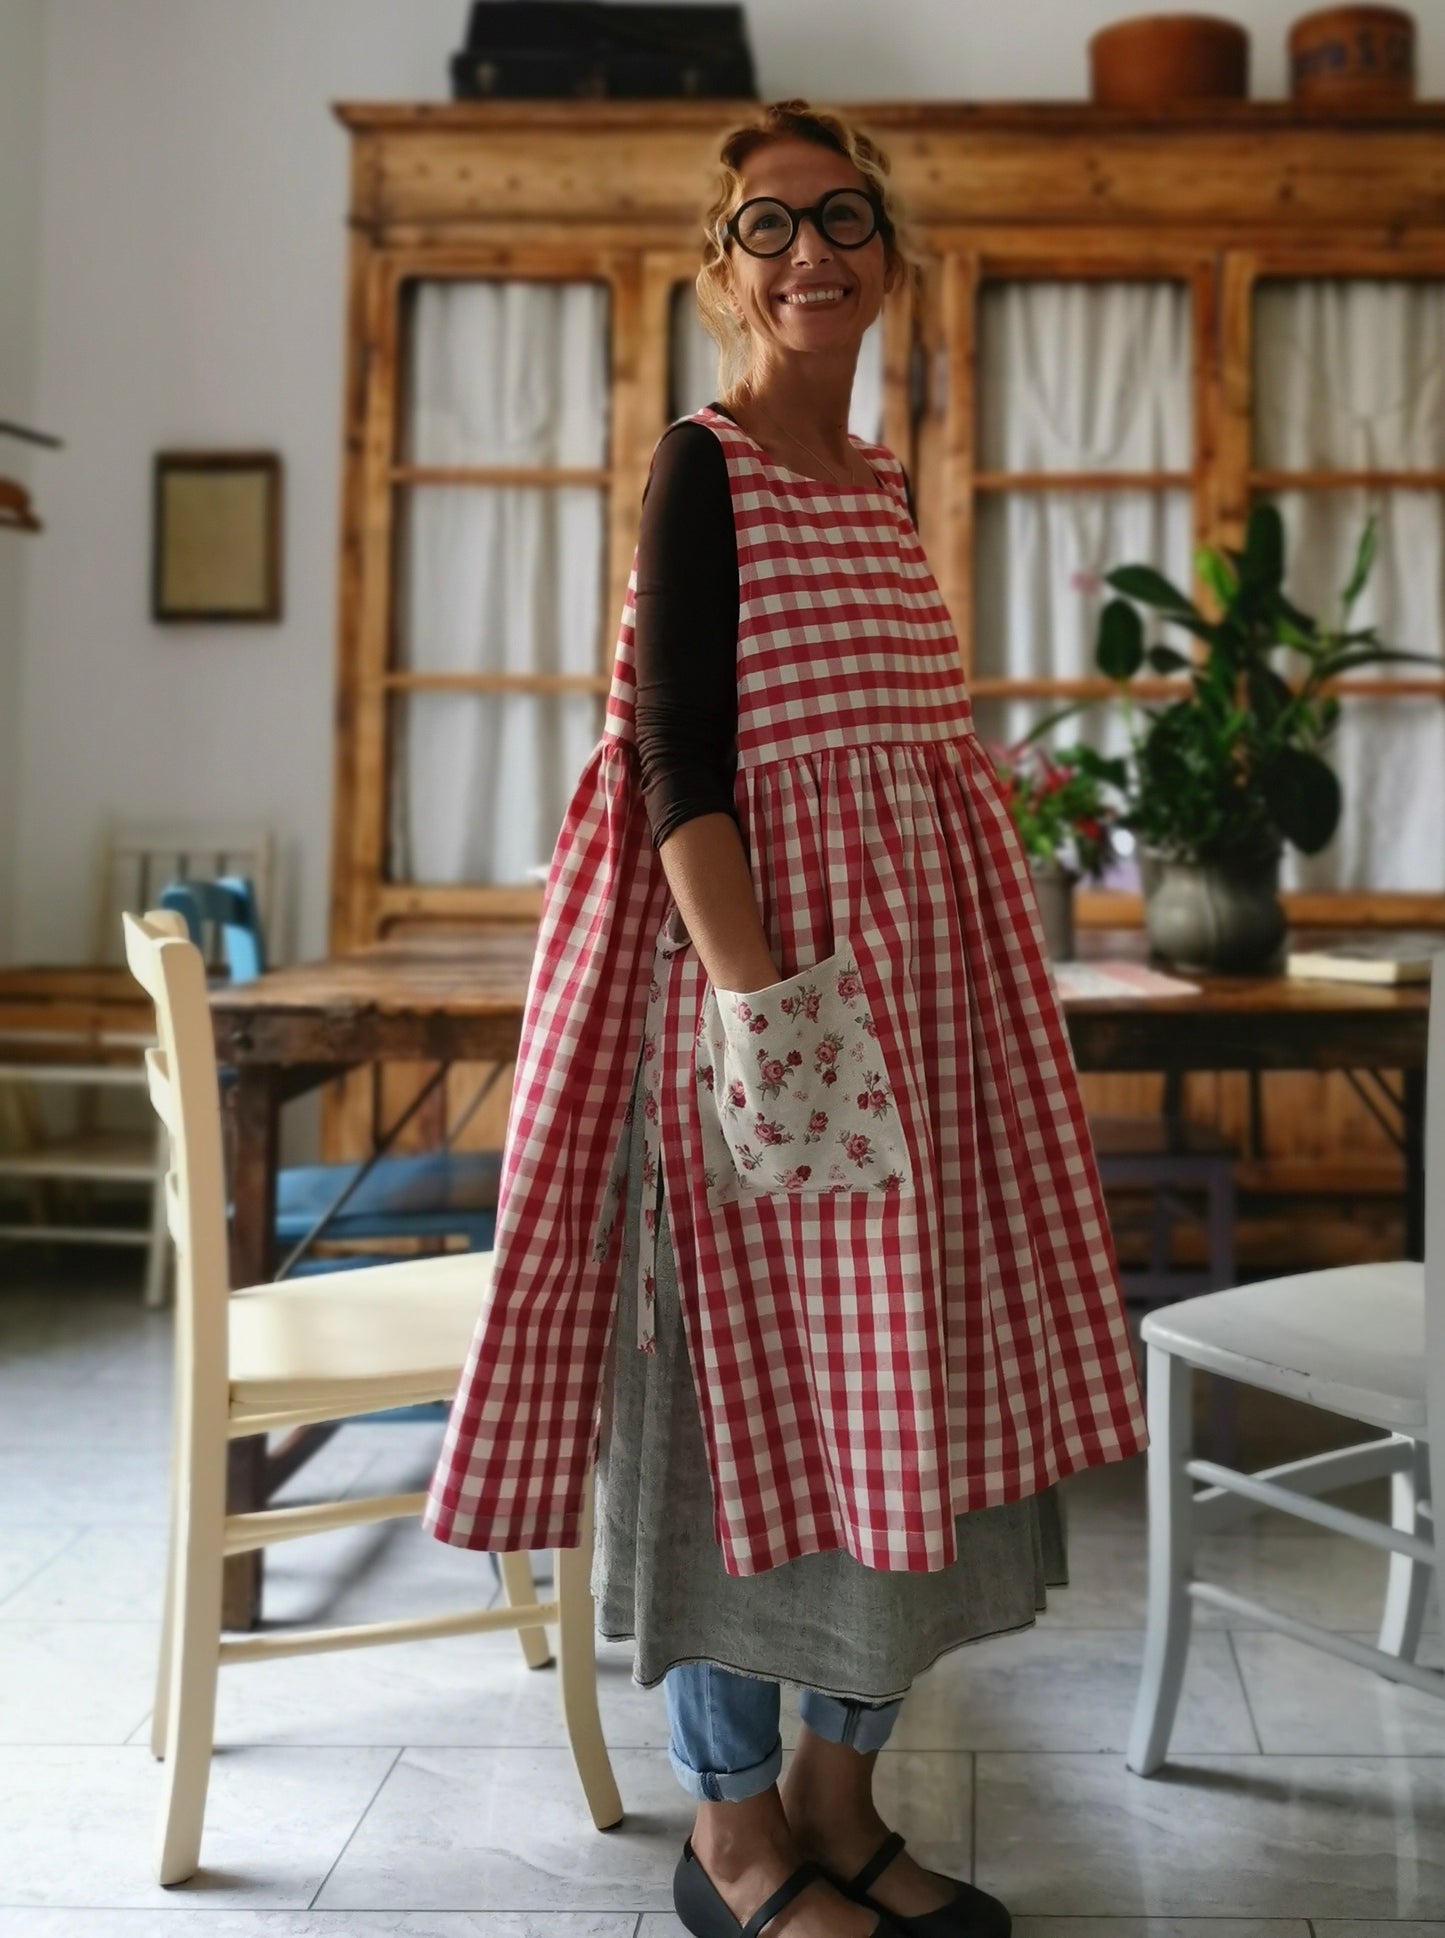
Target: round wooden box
(1353, 57)
(1158, 58)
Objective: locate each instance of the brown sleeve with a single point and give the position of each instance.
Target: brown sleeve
(687, 632)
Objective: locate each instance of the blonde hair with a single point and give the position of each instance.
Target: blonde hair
(783, 121)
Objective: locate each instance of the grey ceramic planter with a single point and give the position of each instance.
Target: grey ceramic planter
(1054, 890)
(1214, 917)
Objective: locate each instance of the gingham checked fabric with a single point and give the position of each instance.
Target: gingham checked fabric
(873, 1352)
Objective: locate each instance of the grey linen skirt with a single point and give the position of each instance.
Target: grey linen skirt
(822, 1621)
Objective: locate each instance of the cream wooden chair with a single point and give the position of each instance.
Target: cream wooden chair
(1364, 1341)
(286, 1355)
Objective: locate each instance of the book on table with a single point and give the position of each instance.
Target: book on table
(1403, 955)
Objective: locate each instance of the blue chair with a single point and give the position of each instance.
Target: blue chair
(435, 1194)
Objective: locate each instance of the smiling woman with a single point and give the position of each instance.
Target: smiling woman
(793, 1036)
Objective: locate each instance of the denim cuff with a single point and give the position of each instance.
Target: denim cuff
(864, 1727)
(728, 1786)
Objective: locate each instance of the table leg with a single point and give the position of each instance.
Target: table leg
(254, 1120)
(1413, 1114)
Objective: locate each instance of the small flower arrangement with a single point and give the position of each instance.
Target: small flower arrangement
(1058, 806)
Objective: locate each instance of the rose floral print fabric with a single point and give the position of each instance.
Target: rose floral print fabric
(792, 1089)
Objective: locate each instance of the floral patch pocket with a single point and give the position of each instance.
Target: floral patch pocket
(792, 1092)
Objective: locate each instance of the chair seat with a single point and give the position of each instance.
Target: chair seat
(396, 1333)
(1121, 1136)
(1350, 1338)
(435, 1193)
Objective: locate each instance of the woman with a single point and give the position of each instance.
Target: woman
(864, 1250)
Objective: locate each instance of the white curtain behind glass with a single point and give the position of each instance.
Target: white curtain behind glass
(1074, 377)
(1350, 375)
(489, 580)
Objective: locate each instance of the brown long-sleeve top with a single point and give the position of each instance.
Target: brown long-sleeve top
(687, 631)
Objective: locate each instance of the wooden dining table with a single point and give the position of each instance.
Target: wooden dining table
(454, 998)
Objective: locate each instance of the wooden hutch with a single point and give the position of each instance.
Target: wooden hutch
(1219, 203)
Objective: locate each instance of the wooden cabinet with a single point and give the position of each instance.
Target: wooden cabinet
(1124, 332)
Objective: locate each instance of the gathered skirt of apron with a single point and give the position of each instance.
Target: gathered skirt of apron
(822, 1621)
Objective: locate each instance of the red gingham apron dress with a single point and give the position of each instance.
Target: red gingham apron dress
(899, 1288)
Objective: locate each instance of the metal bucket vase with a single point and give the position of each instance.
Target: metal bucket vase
(1054, 891)
(1214, 917)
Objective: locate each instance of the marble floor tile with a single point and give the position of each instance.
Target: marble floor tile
(329, 1924)
(75, 1682)
(1112, 1496)
(102, 1574)
(930, 1795)
(1307, 1702)
(80, 1825)
(1325, 1577)
(26, 1548)
(1213, 1836)
(465, 1691)
(478, 1830)
(365, 1574)
(1155, 1928)
(74, 1484)
(1067, 1689)
(1376, 1928)
(509, 1829)
(41, 1417)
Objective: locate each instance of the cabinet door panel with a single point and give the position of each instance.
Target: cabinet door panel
(1348, 398)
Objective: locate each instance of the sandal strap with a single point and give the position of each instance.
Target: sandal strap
(878, 1862)
(800, 1879)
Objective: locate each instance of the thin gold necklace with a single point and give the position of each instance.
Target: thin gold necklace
(800, 441)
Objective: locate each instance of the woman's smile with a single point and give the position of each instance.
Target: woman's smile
(826, 296)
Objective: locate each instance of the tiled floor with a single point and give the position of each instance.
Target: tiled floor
(426, 1791)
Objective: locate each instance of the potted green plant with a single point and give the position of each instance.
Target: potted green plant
(1215, 782)
(1065, 820)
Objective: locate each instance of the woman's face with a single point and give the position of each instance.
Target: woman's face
(800, 173)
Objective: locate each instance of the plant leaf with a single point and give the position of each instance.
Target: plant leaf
(1332, 665)
(1364, 559)
(1150, 588)
(1263, 566)
(1292, 635)
(1164, 659)
(1303, 797)
(1120, 649)
(1269, 695)
(1217, 573)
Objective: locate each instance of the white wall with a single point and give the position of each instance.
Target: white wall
(189, 290)
(20, 91)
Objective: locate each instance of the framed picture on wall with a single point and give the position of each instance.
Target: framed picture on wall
(216, 550)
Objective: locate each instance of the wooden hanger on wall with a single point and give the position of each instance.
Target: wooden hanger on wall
(16, 510)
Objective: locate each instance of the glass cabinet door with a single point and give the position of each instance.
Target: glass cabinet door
(1084, 460)
(1348, 419)
(498, 623)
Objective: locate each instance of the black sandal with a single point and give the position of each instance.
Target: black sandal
(704, 1910)
(969, 1913)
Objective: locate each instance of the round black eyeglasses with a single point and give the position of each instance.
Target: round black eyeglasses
(848, 217)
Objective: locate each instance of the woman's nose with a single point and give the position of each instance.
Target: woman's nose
(822, 247)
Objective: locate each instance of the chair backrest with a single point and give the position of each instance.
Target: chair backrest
(186, 1095)
(1435, 1245)
(137, 861)
(226, 908)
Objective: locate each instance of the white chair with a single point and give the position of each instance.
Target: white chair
(84, 1064)
(1363, 1341)
(292, 1354)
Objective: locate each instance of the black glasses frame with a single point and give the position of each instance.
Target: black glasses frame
(795, 216)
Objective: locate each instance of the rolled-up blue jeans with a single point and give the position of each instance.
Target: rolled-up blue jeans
(725, 1743)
